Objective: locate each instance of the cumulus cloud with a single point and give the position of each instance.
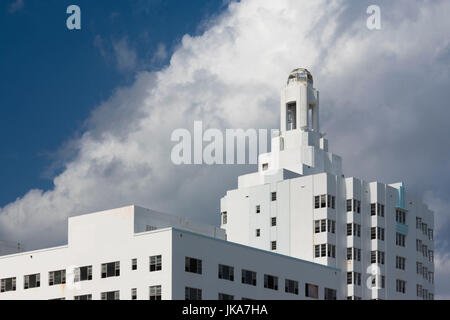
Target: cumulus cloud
(384, 104)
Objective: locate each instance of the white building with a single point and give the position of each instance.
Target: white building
(296, 229)
(136, 253)
(300, 204)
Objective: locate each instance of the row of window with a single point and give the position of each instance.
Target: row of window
(356, 205)
(354, 229)
(422, 248)
(311, 291)
(377, 209)
(377, 233)
(423, 271)
(423, 293)
(324, 201)
(248, 277)
(325, 225)
(424, 228)
(154, 294)
(111, 269)
(377, 256)
(325, 250)
(354, 254)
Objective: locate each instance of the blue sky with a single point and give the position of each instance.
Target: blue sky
(52, 78)
(86, 116)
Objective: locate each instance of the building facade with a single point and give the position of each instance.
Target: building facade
(134, 253)
(300, 204)
(296, 229)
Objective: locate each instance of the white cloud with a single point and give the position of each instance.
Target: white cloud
(383, 103)
(119, 52)
(126, 57)
(161, 53)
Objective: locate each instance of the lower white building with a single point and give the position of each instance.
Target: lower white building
(135, 253)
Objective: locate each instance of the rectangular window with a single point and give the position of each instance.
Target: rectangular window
(32, 281)
(331, 226)
(258, 232)
(373, 257)
(258, 209)
(419, 290)
(323, 201)
(316, 202)
(380, 233)
(83, 274)
(224, 217)
(330, 294)
(311, 291)
(155, 292)
(291, 286)
(331, 252)
(418, 245)
(56, 277)
(317, 251)
(373, 233)
(133, 264)
(134, 294)
(83, 297)
(349, 253)
(249, 277)
(265, 166)
(358, 206)
(273, 245)
(357, 278)
(323, 250)
(400, 263)
(270, 282)
(349, 205)
(400, 239)
(192, 293)
(329, 201)
(273, 221)
(400, 216)
(110, 295)
(8, 284)
(323, 225)
(349, 229)
(193, 265)
(333, 202)
(226, 272)
(224, 296)
(400, 286)
(349, 278)
(373, 209)
(317, 226)
(111, 269)
(155, 263)
(274, 196)
(357, 254)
